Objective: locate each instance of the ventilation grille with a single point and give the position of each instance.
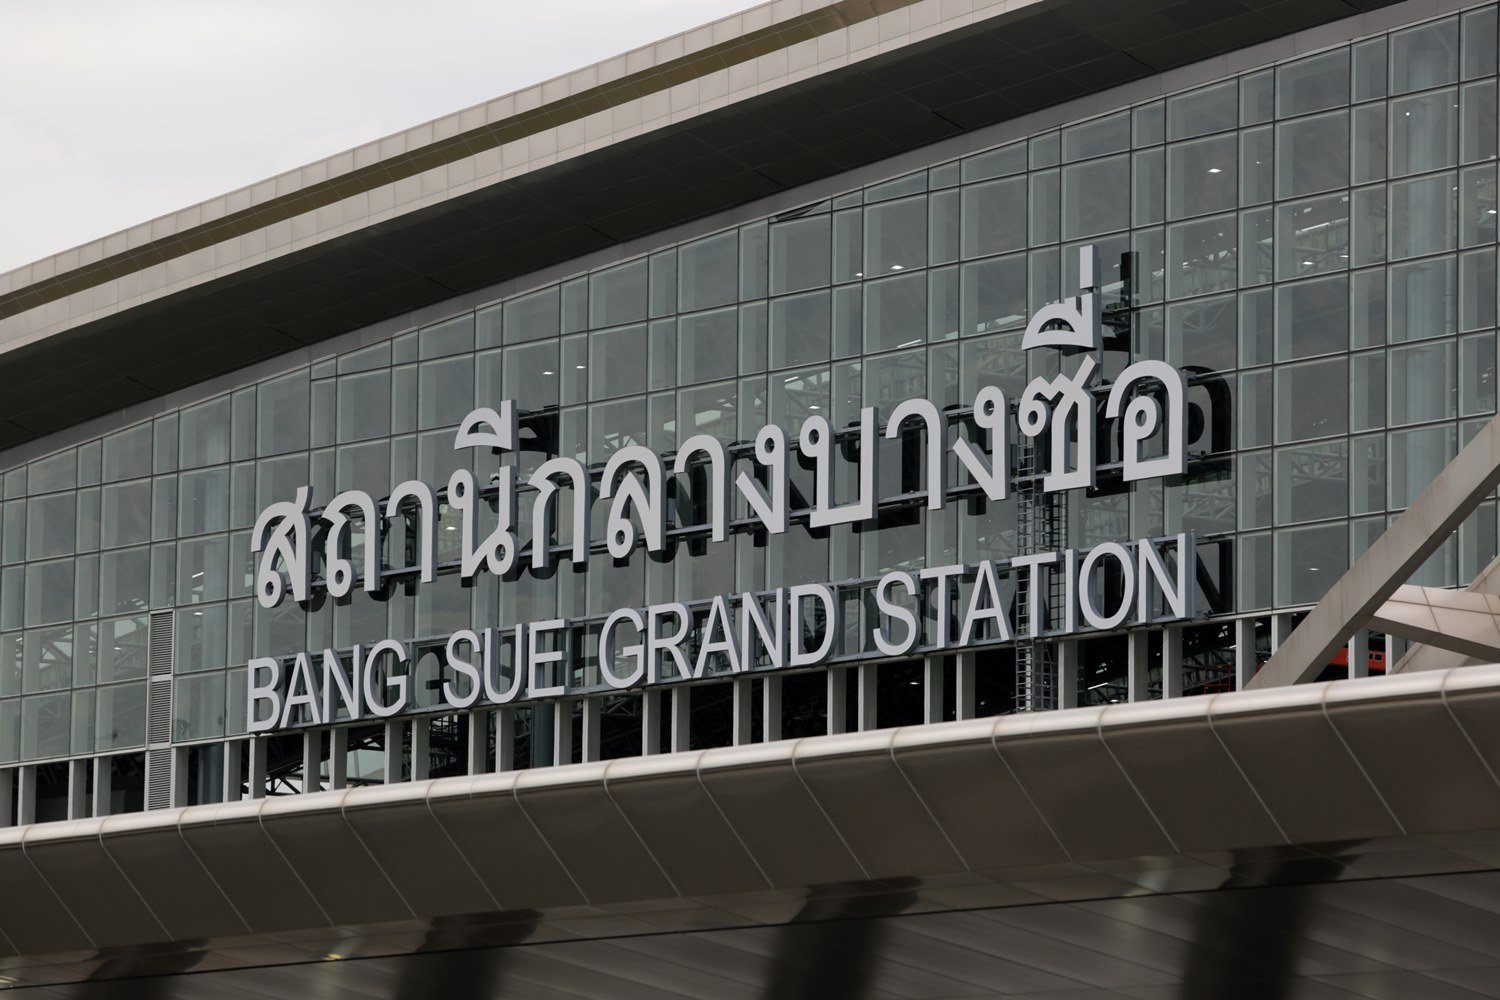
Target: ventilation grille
(159, 711)
(159, 778)
(159, 657)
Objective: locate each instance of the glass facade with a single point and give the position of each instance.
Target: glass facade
(1315, 242)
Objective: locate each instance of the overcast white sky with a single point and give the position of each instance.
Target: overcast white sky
(113, 113)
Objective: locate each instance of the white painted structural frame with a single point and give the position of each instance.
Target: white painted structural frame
(1375, 577)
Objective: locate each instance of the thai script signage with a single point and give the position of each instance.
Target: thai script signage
(338, 548)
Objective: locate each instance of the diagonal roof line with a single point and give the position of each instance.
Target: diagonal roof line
(1419, 532)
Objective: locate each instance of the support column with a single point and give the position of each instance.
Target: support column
(1171, 662)
(505, 739)
(338, 758)
(7, 793)
(312, 760)
(964, 701)
(478, 748)
(1281, 627)
(866, 698)
(742, 729)
(180, 791)
(1137, 664)
(394, 737)
(104, 772)
(682, 715)
(837, 679)
(562, 731)
(1359, 653)
(651, 711)
(26, 800)
(934, 682)
(1244, 652)
(770, 711)
(78, 780)
(234, 755)
(421, 748)
(1067, 673)
(258, 751)
(593, 711)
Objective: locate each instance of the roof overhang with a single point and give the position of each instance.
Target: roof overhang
(1104, 808)
(751, 107)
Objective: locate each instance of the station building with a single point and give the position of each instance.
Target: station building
(792, 507)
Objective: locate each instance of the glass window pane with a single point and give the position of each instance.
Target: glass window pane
(1478, 130)
(801, 254)
(1476, 289)
(1256, 247)
(1312, 155)
(50, 655)
(1312, 317)
(1423, 300)
(1149, 187)
(1309, 561)
(282, 414)
(1476, 375)
(533, 316)
(1423, 213)
(1314, 84)
(1312, 400)
(1424, 56)
(1257, 93)
(204, 434)
(49, 592)
(1202, 257)
(994, 295)
(121, 719)
(619, 362)
(1202, 334)
(1369, 144)
(1091, 197)
(1312, 236)
(1211, 109)
(364, 406)
(800, 328)
(996, 163)
(994, 217)
(1257, 166)
(198, 707)
(203, 568)
(895, 236)
(1370, 69)
(124, 581)
(1417, 456)
(203, 501)
(1312, 482)
(1423, 384)
(707, 346)
(127, 454)
(1424, 133)
(1099, 137)
(896, 312)
(1201, 177)
(59, 472)
(127, 514)
(50, 524)
(445, 393)
(618, 295)
(1479, 51)
(1367, 474)
(202, 639)
(1368, 227)
(1367, 390)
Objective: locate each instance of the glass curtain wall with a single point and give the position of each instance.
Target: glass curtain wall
(1315, 241)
